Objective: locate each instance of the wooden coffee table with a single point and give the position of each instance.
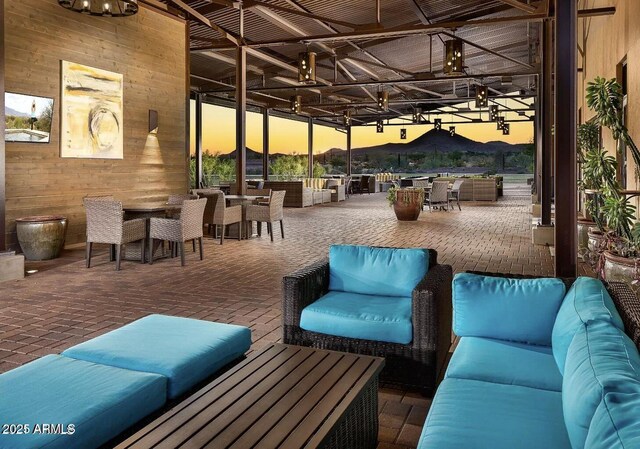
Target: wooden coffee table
(281, 397)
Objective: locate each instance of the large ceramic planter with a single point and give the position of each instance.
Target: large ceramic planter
(408, 204)
(595, 240)
(41, 237)
(618, 268)
(583, 233)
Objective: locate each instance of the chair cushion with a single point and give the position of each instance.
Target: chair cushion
(586, 300)
(378, 318)
(376, 271)
(505, 362)
(184, 350)
(100, 401)
(615, 422)
(601, 359)
(521, 310)
(471, 414)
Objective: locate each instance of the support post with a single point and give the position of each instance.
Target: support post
(198, 126)
(265, 144)
(547, 125)
(241, 119)
(348, 151)
(565, 133)
(310, 147)
(2, 148)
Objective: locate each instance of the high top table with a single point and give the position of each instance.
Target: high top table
(284, 396)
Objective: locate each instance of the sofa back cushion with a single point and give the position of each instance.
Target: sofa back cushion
(376, 271)
(521, 310)
(586, 300)
(601, 359)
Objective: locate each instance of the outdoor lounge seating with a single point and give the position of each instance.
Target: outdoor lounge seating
(537, 368)
(379, 301)
(106, 385)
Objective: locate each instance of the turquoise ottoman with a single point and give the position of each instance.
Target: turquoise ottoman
(87, 404)
(184, 350)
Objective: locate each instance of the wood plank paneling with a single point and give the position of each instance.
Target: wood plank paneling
(149, 49)
(2, 145)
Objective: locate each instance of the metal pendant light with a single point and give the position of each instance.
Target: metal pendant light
(415, 118)
(437, 124)
(453, 57)
(452, 131)
(104, 8)
(346, 118)
(383, 100)
(403, 134)
(500, 123)
(506, 129)
(379, 126)
(493, 112)
(482, 96)
(307, 67)
(295, 104)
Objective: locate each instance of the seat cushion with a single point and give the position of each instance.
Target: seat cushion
(586, 300)
(184, 350)
(601, 359)
(378, 318)
(521, 310)
(505, 362)
(472, 414)
(376, 271)
(99, 401)
(616, 422)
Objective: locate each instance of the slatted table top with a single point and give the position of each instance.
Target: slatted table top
(281, 397)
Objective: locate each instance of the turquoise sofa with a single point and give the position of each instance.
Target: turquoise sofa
(96, 390)
(541, 363)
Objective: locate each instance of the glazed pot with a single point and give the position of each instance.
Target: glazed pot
(617, 268)
(41, 237)
(595, 240)
(583, 233)
(408, 205)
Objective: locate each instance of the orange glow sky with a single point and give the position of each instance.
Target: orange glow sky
(289, 136)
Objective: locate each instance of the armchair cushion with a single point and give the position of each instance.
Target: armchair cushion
(367, 317)
(615, 422)
(376, 271)
(522, 310)
(586, 300)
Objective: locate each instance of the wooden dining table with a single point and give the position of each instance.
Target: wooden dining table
(147, 210)
(242, 200)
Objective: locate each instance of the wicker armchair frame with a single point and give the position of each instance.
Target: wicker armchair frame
(412, 366)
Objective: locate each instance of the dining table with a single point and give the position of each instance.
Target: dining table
(244, 201)
(147, 210)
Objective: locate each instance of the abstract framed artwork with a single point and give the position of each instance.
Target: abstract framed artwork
(91, 113)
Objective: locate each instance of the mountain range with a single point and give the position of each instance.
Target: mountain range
(12, 112)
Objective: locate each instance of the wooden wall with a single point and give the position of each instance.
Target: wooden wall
(150, 50)
(2, 151)
(607, 41)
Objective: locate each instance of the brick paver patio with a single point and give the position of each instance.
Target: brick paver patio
(239, 282)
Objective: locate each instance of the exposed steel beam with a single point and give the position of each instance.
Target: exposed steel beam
(521, 6)
(205, 21)
(253, 3)
(596, 12)
(488, 50)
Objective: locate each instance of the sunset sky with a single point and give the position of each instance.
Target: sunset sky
(289, 136)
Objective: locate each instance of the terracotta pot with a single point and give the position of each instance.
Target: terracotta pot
(408, 205)
(41, 237)
(617, 268)
(583, 233)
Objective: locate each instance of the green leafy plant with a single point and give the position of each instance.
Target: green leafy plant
(588, 139)
(619, 214)
(407, 195)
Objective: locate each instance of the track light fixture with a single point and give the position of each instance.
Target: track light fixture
(383, 100)
(307, 67)
(379, 126)
(295, 104)
(437, 124)
(482, 96)
(453, 57)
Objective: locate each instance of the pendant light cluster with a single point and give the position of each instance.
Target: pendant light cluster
(295, 104)
(437, 124)
(346, 118)
(104, 8)
(379, 126)
(452, 131)
(454, 57)
(500, 123)
(506, 129)
(482, 96)
(416, 117)
(383, 100)
(307, 67)
(493, 113)
(403, 134)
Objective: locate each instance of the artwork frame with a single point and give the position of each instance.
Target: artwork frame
(28, 118)
(91, 112)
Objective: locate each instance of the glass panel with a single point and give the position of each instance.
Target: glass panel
(329, 151)
(288, 143)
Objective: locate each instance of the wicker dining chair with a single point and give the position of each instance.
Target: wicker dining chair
(180, 197)
(349, 186)
(454, 193)
(218, 214)
(270, 213)
(187, 227)
(106, 224)
(266, 193)
(438, 196)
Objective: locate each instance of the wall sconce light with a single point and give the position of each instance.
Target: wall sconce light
(506, 129)
(437, 124)
(307, 67)
(415, 118)
(295, 104)
(500, 123)
(493, 112)
(346, 118)
(452, 131)
(482, 96)
(153, 121)
(403, 134)
(454, 57)
(383, 100)
(379, 126)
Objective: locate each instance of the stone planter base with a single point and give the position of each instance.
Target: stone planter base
(583, 233)
(618, 268)
(41, 237)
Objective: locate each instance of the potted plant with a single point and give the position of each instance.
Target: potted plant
(407, 202)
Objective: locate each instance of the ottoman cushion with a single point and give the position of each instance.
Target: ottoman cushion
(184, 350)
